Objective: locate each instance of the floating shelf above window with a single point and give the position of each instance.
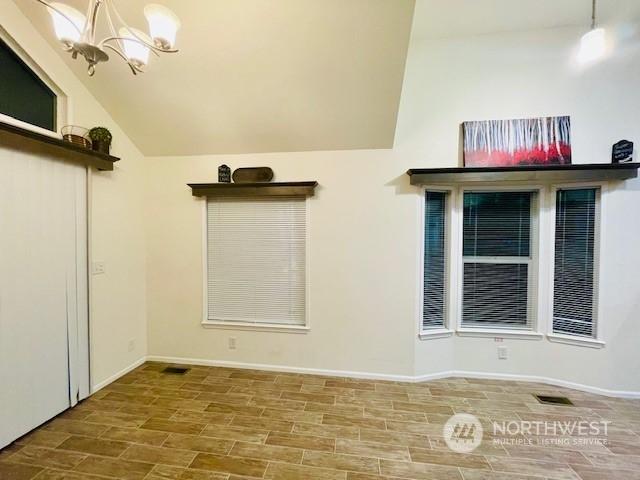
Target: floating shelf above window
(553, 173)
(282, 189)
(26, 140)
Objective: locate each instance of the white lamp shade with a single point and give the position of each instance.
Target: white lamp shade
(163, 24)
(135, 51)
(68, 22)
(593, 46)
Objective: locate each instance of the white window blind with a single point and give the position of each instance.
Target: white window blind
(573, 285)
(256, 249)
(435, 241)
(497, 260)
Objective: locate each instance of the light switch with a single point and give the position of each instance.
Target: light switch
(97, 268)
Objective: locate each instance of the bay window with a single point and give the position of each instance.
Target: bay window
(483, 253)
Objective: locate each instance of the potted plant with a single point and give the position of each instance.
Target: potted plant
(100, 139)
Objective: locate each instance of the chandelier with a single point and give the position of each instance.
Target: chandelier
(77, 33)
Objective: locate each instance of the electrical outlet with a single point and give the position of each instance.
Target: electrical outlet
(232, 343)
(98, 268)
(132, 345)
(503, 353)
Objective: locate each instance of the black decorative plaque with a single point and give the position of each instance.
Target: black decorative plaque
(224, 174)
(622, 152)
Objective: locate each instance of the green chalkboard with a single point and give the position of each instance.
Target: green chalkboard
(22, 94)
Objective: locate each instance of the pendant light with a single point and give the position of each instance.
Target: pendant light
(593, 45)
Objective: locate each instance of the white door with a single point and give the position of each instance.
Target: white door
(43, 300)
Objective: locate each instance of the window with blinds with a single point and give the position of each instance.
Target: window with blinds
(497, 259)
(435, 262)
(573, 283)
(256, 252)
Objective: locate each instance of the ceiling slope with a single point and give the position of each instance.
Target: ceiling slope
(294, 75)
(258, 76)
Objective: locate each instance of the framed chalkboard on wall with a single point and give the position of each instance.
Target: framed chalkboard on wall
(23, 95)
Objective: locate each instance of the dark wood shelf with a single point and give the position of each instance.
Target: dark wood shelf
(279, 189)
(558, 173)
(26, 140)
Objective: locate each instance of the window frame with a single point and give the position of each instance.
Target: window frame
(63, 113)
(260, 327)
(534, 287)
(598, 340)
(450, 303)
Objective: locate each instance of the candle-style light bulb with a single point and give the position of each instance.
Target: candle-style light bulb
(68, 22)
(163, 25)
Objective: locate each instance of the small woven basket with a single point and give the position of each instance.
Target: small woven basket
(76, 135)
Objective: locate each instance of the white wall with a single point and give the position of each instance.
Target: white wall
(528, 74)
(118, 298)
(364, 221)
(364, 236)
(361, 252)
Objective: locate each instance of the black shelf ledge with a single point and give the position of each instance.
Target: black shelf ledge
(278, 189)
(22, 139)
(537, 173)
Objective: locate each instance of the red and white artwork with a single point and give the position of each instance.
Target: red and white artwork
(512, 143)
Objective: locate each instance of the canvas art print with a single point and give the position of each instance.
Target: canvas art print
(512, 143)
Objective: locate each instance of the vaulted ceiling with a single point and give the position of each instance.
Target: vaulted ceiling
(258, 75)
(289, 75)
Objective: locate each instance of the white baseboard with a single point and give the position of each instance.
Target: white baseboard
(116, 376)
(395, 378)
(550, 381)
(282, 368)
(435, 376)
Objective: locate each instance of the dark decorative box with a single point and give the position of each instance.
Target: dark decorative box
(253, 175)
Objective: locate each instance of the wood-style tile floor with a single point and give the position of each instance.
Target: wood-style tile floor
(228, 424)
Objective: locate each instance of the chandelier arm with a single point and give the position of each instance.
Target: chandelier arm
(92, 20)
(153, 49)
(133, 68)
(156, 50)
(112, 27)
(57, 10)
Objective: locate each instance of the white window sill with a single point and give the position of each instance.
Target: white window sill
(496, 333)
(435, 333)
(257, 327)
(27, 126)
(577, 341)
